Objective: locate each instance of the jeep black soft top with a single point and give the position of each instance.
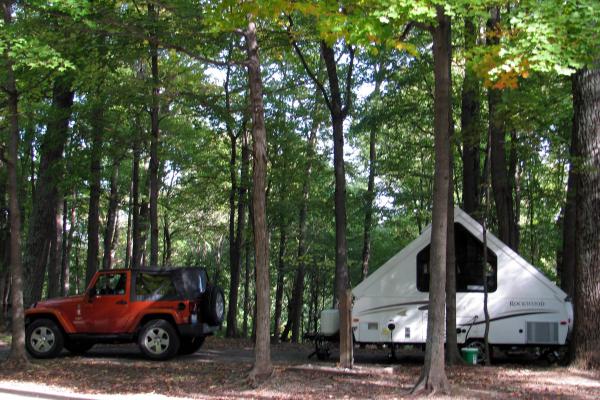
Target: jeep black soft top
(188, 283)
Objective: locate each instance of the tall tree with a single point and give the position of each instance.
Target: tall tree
(370, 195)
(235, 235)
(111, 217)
(154, 134)
(262, 351)
(470, 127)
(502, 183)
(586, 120)
(43, 215)
(433, 375)
(297, 301)
(17, 357)
(338, 108)
(93, 225)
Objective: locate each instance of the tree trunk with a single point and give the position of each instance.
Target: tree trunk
(167, 249)
(234, 264)
(568, 256)
(56, 246)
(586, 104)
(262, 351)
(128, 240)
(501, 182)
(111, 217)
(246, 289)
(17, 356)
(433, 375)
(154, 140)
(369, 198)
(297, 301)
(470, 125)
(67, 246)
(279, 287)
(338, 113)
(94, 204)
(43, 213)
(370, 195)
(4, 241)
(452, 354)
(342, 281)
(136, 250)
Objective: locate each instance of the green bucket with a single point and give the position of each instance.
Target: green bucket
(470, 355)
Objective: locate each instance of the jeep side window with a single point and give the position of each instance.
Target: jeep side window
(154, 287)
(111, 284)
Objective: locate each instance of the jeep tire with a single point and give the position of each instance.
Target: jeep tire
(44, 339)
(190, 345)
(158, 340)
(214, 306)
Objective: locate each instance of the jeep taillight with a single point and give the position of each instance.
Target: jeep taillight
(193, 312)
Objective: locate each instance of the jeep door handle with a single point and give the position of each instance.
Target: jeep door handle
(121, 302)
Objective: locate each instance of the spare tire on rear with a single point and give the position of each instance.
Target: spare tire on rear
(214, 305)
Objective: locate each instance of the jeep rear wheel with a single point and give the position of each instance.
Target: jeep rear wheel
(191, 345)
(44, 339)
(158, 340)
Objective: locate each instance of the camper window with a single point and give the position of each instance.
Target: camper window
(469, 262)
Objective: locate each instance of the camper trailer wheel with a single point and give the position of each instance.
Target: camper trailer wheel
(480, 346)
(555, 355)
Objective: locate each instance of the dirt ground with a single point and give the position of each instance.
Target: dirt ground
(219, 371)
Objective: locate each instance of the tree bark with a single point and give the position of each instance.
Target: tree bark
(17, 356)
(470, 125)
(501, 182)
(586, 104)
(433, 375)
(298, 289)
(338, 111)
(568, 256)
(111, 218)
(43, 214)
(370, 195)
(93, 224)
(67, 246)
(246, 289)
(342, 280)
(56, 245)
(452, 354)
(135, 209)
(154, 139)
(279, 287)
(262, 352)
(234, 264)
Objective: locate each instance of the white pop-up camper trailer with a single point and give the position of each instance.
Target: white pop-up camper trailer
(525, 307)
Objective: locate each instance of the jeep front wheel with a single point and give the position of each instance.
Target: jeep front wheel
(158, 340)
(44, 339)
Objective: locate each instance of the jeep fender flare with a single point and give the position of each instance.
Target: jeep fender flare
(52, 314)
(167, 314)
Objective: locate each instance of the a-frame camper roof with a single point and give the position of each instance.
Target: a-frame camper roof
(403, 260)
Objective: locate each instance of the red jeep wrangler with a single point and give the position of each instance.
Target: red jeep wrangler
(167, 312)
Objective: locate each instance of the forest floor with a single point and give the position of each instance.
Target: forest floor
(219, 371)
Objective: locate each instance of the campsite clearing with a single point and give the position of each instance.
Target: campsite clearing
(219, 369)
